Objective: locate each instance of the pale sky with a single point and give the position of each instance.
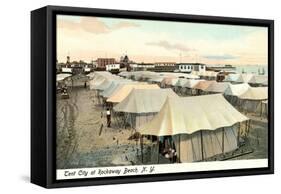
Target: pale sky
(87, 38)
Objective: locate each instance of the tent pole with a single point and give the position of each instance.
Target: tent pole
(246, 127)
(141, 142)
(202, 148)
(261, 110)
(158, 150)
(238, 134)
(223, 140)
(179, 152)
(249, 127)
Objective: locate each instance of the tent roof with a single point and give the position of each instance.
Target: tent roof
(144, 100)
(169, 80)
(147, 74)
(239, 78)
(203, 84)
(91, 75)
(236, 89)
(62, 76)
(234, 78)
(157, 79)
(139, 74)
(100, 74)
(217, 87)
(103, 80)
(103, 85)
(190, 114)
(114, 85)
(181, 82)
(179, 75)
(255, 93)
(258, 79)
(246, 77)
(205, 73)
(124, 91)
(95, 82)
(191, 83)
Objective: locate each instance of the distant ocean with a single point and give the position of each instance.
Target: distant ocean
(255, 69)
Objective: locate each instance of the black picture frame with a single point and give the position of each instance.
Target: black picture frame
(43, 95)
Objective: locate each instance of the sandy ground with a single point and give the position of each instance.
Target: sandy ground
(83, 142)
(81, 139)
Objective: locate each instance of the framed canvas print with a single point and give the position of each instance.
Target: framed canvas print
(126, 96)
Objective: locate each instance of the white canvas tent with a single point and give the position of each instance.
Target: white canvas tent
(147, 75)
(188, 87)
(96, 80)
(62, 79)
(233, 91)
(139, 75)
(124, 91)
(180, 82)
(91, 75)
(169, 81)
(102, 80)
(141, 105)
(103, 85)
(201, 86)
(124, 74)
(251, 100)
(235, 78)
(217, 87)
(258, 80)
(239, 78)
(114, 85)
(180, 75)
(156, 79)
(246, 77)
(62, 76)
(178, 86)
(255, 93)
(208, 75)
(236, 89)
(193, 121)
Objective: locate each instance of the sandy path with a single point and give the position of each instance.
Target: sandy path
(79, 143)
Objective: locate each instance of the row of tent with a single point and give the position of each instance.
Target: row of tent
(261, 80)
(205, 74)
(193, 87)
(153, 76)
(199, 129)
(114, 89)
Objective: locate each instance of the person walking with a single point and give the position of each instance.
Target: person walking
(108, 116)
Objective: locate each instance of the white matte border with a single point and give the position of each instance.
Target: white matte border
(98, 172)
